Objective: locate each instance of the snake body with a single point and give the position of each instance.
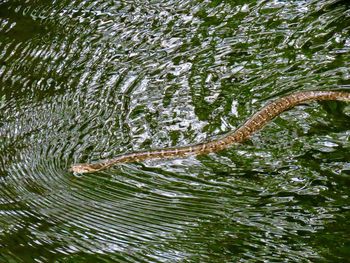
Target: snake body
(253, 124)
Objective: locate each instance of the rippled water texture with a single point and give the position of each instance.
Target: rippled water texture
(86, 80)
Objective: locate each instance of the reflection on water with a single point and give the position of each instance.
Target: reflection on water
(85, 80)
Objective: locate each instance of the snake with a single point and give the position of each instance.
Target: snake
(242, 133)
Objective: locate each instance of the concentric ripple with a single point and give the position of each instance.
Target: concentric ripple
(85, 80)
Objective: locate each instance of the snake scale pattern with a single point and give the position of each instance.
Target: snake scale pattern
(253, 124)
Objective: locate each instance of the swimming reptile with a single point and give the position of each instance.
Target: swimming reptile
(253, 124)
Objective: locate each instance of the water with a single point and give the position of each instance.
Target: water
(86, 80)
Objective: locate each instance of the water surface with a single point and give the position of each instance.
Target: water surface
(86, 80)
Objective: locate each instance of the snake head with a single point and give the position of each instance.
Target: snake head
(82, 168)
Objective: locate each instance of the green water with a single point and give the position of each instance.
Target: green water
(85, 80)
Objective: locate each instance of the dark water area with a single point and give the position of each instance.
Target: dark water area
(82, 81)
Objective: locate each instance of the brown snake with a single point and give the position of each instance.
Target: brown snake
(253, 124)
